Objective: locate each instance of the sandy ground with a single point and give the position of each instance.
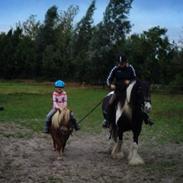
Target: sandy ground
(28, 157)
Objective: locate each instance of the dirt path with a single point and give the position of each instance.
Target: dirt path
(28, 157)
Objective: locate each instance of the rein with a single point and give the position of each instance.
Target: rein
(90, 111)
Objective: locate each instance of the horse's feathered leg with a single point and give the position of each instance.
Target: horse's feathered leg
(116, 151)
(136, 130)
(134, 158)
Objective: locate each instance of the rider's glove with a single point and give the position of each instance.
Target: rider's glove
(112, 87)
(126, 82)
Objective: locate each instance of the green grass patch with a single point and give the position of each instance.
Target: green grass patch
(23, 135)
(52, 179)
(167, 114)
(27, 104)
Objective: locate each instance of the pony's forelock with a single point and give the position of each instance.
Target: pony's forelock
(61, 118)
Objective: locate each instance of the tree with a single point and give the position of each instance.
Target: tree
(57, 56)
(108, 38)
(81, 39)
(116, 21)
(151, 53)
(46, 37)
(31, 27)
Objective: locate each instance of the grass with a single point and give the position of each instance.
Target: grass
(27, 104)
(168, 116)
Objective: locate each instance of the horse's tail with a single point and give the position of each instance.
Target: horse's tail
(61, 118)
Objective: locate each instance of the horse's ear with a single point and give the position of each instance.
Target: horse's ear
(149, 81)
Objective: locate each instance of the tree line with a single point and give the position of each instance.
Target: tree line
(59, 48)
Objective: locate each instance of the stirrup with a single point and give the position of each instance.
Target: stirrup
(105, 124)
(46, 131)
(76, 126)
(149, 122)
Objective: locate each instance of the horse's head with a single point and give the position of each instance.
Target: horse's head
(144, 91)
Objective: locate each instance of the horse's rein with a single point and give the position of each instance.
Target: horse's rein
(90, 111)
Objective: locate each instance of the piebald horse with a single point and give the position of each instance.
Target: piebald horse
(128, 117)
(60, 130)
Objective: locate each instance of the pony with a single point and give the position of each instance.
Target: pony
(60, 130)
(128, 117)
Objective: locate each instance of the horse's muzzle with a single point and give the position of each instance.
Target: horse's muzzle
(147, 107)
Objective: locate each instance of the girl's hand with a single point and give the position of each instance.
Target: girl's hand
(60, 109)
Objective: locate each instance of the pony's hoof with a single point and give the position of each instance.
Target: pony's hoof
(118, 156)
(113, 156)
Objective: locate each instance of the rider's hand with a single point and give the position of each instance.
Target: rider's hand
(112, 87)
(126, 82)
(60, 109)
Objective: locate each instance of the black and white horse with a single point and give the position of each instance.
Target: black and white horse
(128, 117)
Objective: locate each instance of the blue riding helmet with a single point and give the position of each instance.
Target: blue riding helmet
(59, 84)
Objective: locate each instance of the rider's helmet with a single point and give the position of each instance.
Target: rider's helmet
(121, 58)
(59, 84)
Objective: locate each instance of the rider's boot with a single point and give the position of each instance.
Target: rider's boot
(46, 127)
(147, 119)
(75, 125)
(105, 124)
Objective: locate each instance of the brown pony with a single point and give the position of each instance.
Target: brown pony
(60, 129)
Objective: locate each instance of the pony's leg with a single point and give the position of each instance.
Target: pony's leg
(59, 147)
(54, 141)
(54, 145)
(60, 151)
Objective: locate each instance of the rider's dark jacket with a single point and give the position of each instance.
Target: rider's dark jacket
(119, 74)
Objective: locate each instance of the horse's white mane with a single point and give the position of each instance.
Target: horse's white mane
(129, 91)
(125, 108)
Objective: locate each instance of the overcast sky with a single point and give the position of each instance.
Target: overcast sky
(143, 15)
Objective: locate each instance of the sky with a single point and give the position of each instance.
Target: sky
(143, 15)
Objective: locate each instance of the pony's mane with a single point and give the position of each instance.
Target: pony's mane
(61, 118)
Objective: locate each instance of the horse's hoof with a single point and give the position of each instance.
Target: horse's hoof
(60, 158)
(138, 161)
(129, 156)
(120, 155)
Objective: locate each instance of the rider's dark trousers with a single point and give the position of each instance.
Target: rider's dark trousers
(48, 119)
